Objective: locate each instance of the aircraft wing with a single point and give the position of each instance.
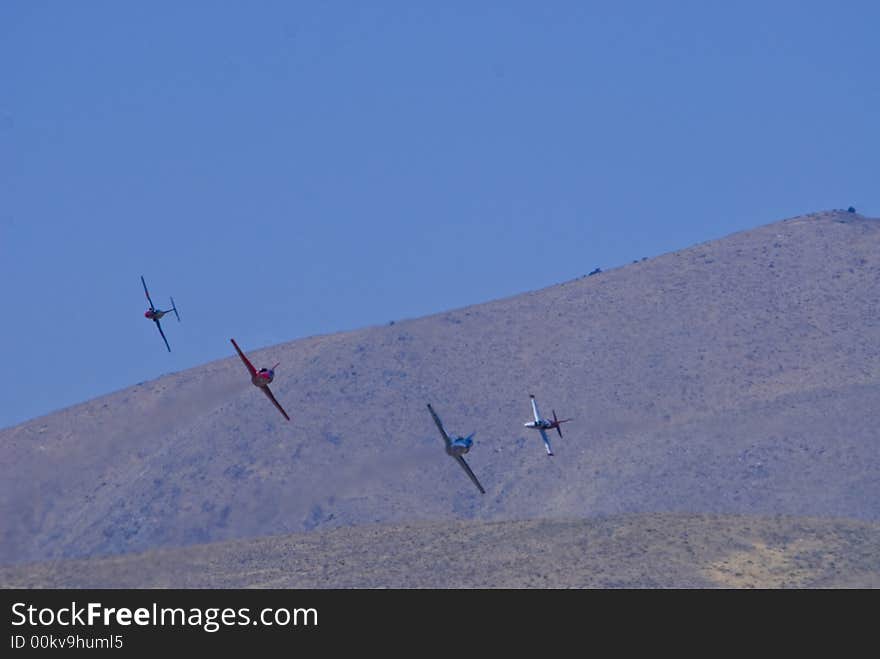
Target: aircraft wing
(464, 465)
(440, 427)
(546, 441)
(250, 367)
(163, 334)
(535, 409)
(147, 293)
(275, 402)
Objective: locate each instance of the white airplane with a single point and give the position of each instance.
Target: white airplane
(544, 424)
(457, 447)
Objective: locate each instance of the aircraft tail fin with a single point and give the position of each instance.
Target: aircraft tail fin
(174, 309)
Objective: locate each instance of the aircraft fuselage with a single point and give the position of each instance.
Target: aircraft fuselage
(154, 314)
(263, 377)
(543, 423)
(460, 446)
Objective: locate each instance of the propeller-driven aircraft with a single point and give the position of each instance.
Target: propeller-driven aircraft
(544, 424)
(155, 314)
(261, 378)
(457, 447)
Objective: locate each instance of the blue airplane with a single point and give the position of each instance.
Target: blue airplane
(457, 447)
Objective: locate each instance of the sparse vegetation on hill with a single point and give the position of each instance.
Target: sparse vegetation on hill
(624, 551)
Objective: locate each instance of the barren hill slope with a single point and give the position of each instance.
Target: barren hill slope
(648, 550)
(738, 376)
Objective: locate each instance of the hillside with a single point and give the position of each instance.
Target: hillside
(737, 377)
(658, 550)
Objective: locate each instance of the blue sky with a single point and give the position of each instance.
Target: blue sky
(286, 169)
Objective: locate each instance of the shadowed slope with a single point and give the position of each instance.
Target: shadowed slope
(738, 376)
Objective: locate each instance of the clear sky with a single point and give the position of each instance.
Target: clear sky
(286, 169)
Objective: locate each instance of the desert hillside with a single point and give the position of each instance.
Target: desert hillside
(625, 551)
(736, 377)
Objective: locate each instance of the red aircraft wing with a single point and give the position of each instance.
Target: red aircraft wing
(250, 367)
(276, 403)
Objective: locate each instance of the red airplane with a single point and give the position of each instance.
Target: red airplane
(155, 314)
(261, 378)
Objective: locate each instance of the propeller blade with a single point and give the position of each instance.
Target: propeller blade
(556, 422)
